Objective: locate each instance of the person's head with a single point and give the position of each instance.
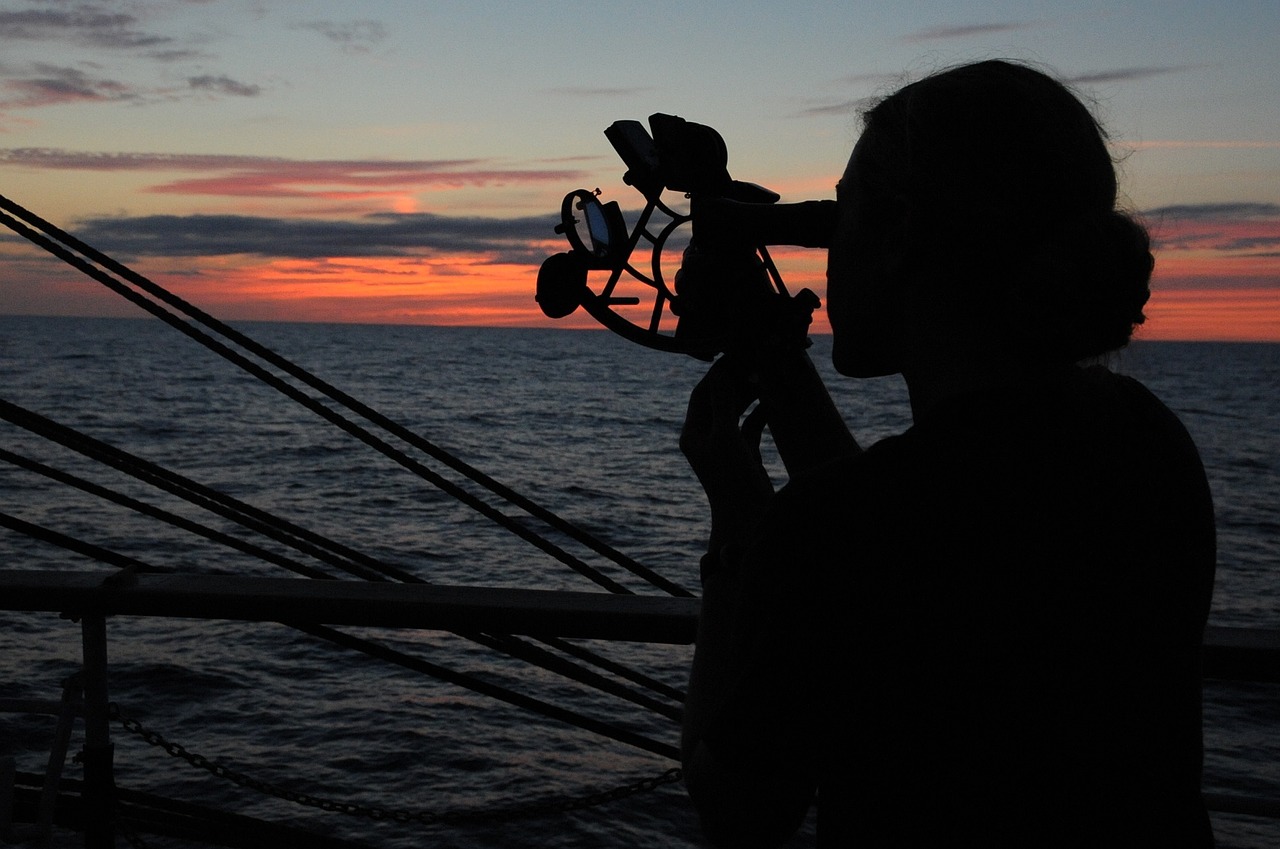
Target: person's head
(981, 202)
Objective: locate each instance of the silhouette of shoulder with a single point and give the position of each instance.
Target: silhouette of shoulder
(1020, 579)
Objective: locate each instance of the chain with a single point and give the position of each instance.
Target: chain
(498, 813)
(130, 836)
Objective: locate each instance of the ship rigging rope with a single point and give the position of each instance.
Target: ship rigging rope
(88, 549)
(374, 649)
(105, 494)
(62, 251)
(317, 407)
(289, 534)
(243, 514)
(63, 248)
(326, 550)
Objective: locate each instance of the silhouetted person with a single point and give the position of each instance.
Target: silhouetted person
(984, 631)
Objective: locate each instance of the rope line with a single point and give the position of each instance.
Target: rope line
(150, 510)
(507, 644)
(303, 540)
(315, 406)
(96, 552)
(377, 650)
(247, 516)
(353, 429)
(538, 706)
(616, 668)
(347, 401)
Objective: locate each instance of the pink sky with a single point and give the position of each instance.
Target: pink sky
(325, 164)
(314, 241)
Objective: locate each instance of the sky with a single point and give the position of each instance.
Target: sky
(404, 162)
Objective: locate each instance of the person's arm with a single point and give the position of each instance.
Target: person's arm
(805, 425)
(725, 459)
(746, 765)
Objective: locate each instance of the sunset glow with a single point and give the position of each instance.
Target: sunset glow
(1237, 315)
(407, 166)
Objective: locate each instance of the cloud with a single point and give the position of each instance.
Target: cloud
(352, 36)
(82, 23)
(840, 105)
(55, 28)
(251, 176)
(1203, 144)
(841, 109)
(865, 79)
(58, 159)
(1240, 229)
(176, 54)
(224, 85)
(1120, 75)
(943, 33)
(1215, 211)
(506, 240)
(52, 85)
(846, 107)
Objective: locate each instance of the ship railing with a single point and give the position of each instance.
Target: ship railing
(1235, 654)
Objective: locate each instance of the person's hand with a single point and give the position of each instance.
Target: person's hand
(724, 454)
(805, 425)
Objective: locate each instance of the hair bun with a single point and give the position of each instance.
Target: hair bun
(1133, 262)
(1111, 280)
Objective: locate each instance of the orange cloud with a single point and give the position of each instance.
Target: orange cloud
(1216, 229)
(348, 180)
(408, 290)
(1207, 269)
(1217, 272)
(1233, 315)
(1206, 294)
(1202, 291)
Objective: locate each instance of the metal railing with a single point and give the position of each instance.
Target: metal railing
(1237, 654)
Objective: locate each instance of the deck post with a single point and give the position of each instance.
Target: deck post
(99, 779)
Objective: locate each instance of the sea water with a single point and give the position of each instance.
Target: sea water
(583, 423)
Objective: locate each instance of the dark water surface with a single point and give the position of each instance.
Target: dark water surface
(584, 424)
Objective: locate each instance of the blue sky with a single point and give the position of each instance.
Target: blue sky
(212, 137)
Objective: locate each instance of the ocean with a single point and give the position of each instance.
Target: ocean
(583, 423)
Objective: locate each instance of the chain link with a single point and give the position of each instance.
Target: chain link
(501, 813)
(130, 836)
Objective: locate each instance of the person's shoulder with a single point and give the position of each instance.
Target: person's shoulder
(1099, 380)
(1126, 399)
